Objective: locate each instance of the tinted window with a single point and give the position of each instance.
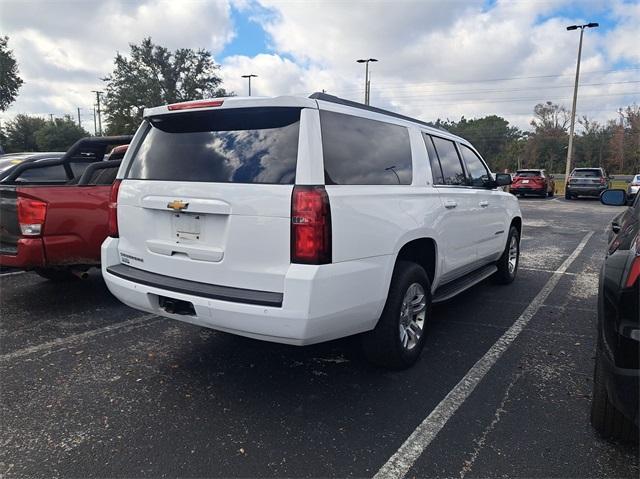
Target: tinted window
(528, 174)
(587, 173)
(436, 172)
(54, 174)
(477, 173)
(452, 171)
(244, 145)
(358, 151)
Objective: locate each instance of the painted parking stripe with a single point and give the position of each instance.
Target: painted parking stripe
(404, 458)
(61, 343)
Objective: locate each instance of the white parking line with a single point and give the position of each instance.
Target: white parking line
(75, 338)
(404, 458)
(12, 273)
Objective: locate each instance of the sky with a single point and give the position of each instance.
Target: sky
(436, 59)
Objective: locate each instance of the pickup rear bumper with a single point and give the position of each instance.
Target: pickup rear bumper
(29, 254)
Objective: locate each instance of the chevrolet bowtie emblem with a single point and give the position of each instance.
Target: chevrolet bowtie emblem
(177, 205)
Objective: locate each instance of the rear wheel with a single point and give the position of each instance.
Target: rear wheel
(508, 262)
(398, 338)
(605, 418)
(568, 196)
(550, 193)
(57, 274)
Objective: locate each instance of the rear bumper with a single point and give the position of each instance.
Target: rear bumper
(29, 254)
(521, 190)
(586, 190)
(318, 303)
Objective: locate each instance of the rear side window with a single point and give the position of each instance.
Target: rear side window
(436, 171)
(359, 151)
(452, 171)
(478, 175)
(243, 145)
(47, 174)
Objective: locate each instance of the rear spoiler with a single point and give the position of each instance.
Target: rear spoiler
(95, 146)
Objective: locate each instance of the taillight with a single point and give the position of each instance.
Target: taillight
(112, 207)
(634, 271)
(31, 216)
(310, 225)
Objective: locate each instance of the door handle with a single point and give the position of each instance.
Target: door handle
(484, 204)
(449, 204)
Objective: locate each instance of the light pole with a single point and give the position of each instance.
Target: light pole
(575, 99)
(367, 84)
(98, 93)
(249, 77)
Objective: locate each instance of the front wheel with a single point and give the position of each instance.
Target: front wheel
(398, 338)
(508, 262)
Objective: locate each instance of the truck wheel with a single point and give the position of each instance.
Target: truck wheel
(508, 262)
(567, 196)
(56, 274)
(398, 338)
(605, 418)
(550, 193)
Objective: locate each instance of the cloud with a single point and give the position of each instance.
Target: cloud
(64, 48)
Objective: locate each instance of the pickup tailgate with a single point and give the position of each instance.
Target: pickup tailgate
(75, 224)
(9, 227)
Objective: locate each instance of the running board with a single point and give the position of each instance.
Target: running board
(449, 290)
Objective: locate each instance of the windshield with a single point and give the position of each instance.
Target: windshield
(587, 173)
(528, 174)
(250, 145)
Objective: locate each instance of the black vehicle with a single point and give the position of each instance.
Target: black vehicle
(614, 407)
(586, 182)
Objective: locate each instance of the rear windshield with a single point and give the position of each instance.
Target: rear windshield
(243, 145)
(528, 174)
(587, 174)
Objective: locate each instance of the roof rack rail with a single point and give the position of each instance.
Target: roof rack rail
(355, 104)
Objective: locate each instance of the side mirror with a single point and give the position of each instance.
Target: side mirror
(503, 179)
(614, 197)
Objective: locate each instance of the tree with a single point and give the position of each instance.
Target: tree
(154, 76)
(10, 81)
(59, 135)
(21, 133)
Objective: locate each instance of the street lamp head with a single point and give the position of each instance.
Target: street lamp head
(572, 27)
(592, 25)
(372, 60)
(249, 76)
(361, 61)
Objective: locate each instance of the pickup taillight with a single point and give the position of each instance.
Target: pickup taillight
(31, 216)
(310, 225)
(112, 206)
(634, 271)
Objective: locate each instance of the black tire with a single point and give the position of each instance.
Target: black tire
(605, 418)
(550, 193)
(57, 274)
(383, 346)
(505, 274)
(567, 196)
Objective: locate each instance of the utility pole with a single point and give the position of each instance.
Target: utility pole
(367, 83)
(79, 120)
(249, 77)
(575, 99)
(95, 127)
(98, 93)
(51, 117)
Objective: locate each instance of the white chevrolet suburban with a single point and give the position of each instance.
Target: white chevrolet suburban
(301, 220)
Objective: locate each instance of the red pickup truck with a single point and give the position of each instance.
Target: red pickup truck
(55, 222)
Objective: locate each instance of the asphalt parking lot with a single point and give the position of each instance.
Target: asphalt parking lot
(91, 388)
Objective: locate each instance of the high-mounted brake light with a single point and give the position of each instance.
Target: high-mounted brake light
(112, 208)
(31, 216)
(189, 105)
(310, 225)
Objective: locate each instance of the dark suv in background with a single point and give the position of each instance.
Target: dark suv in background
(614, 407)
(586, 182)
